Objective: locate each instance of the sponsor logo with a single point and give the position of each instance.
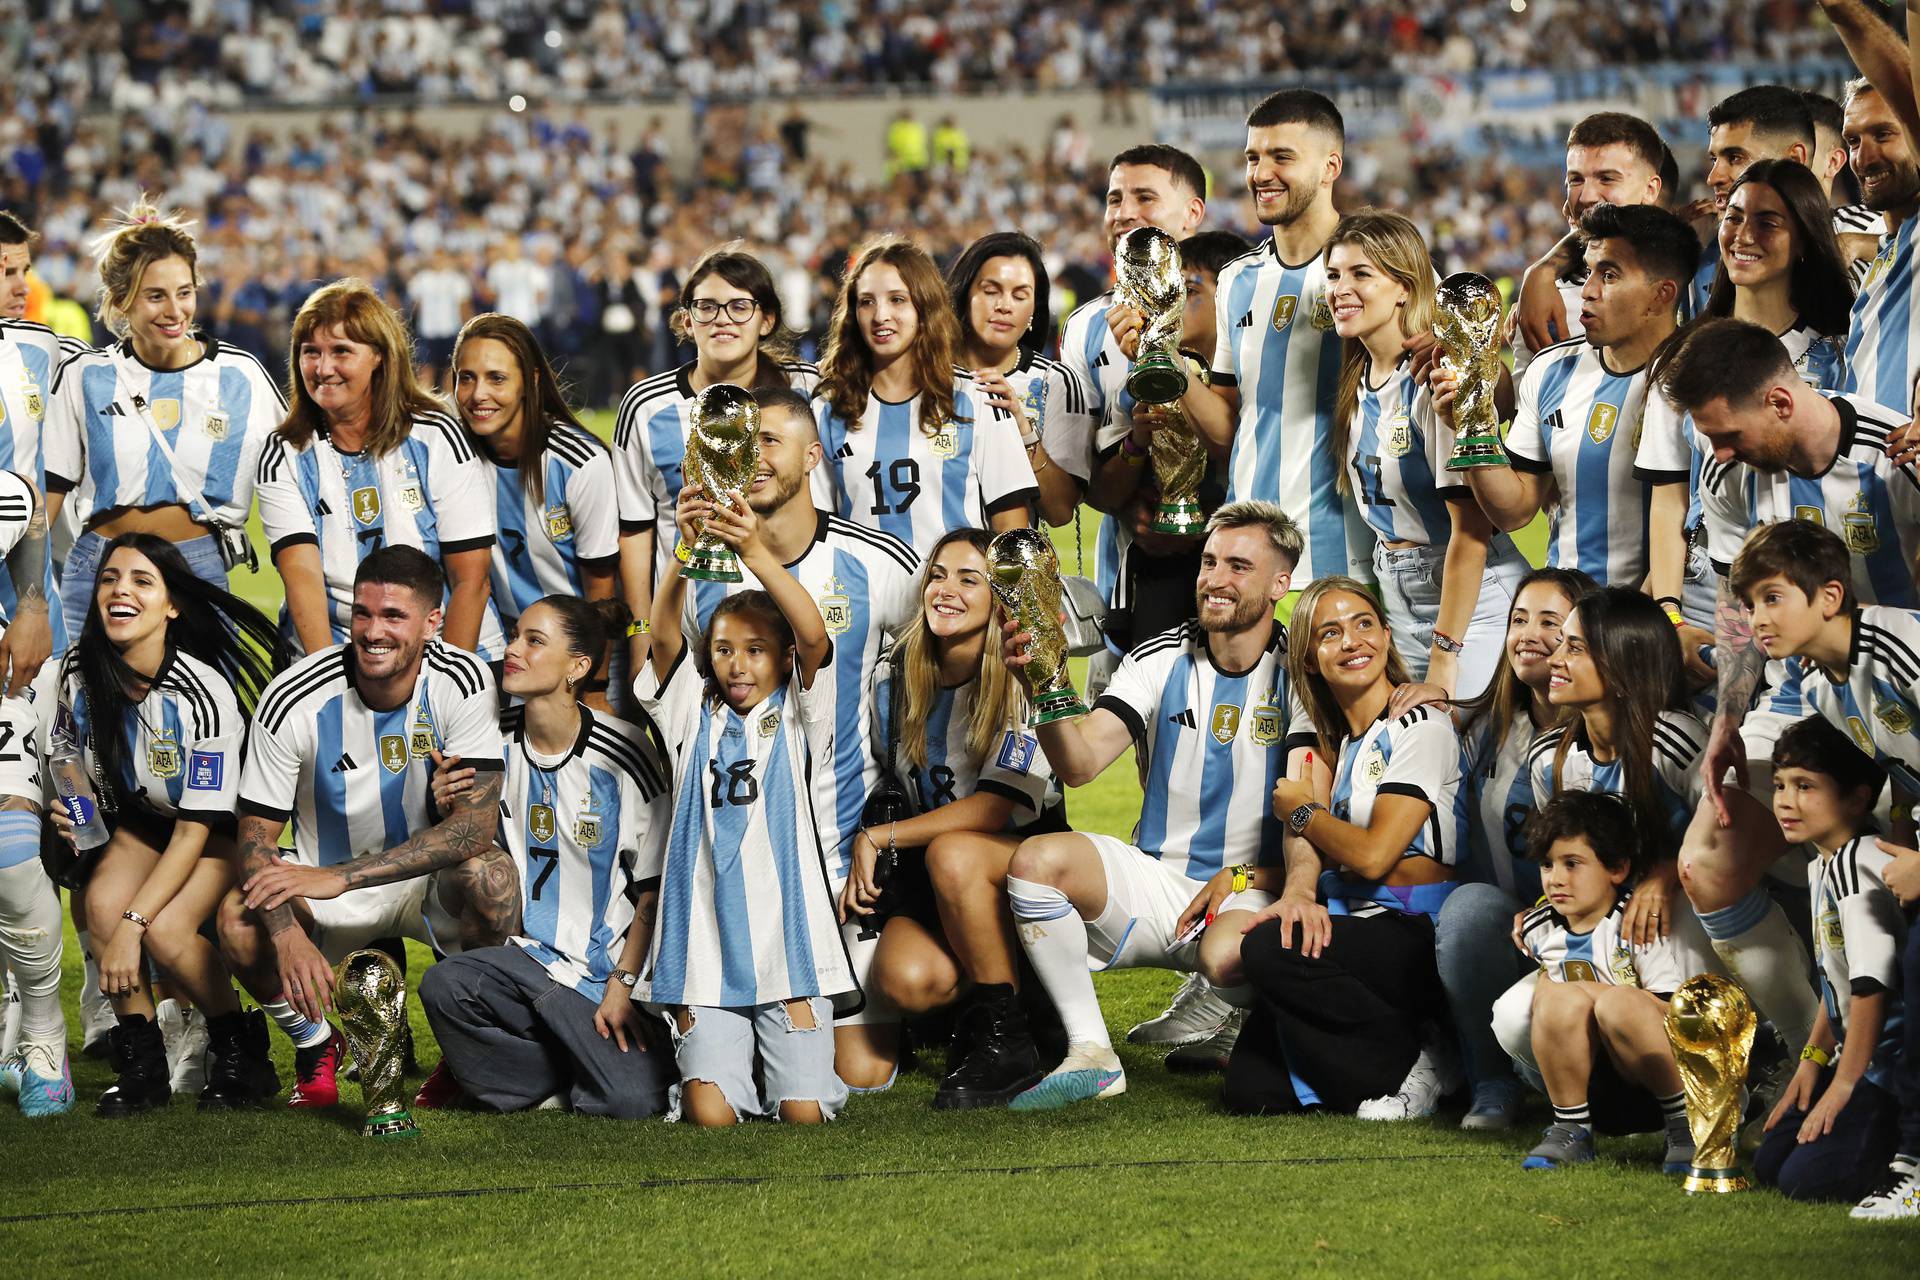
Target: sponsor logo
(205, 769)
(1017, 751)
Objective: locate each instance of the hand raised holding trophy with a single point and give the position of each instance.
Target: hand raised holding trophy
(1467, 326)
(1152, 280)
(723, 453)
(1024, 573)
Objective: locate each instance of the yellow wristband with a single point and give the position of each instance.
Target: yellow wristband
(683, 551)
(1814, 1053)
(640, 627)
(1242, 878)
(1673, 616)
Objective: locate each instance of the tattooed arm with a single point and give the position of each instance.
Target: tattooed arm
(257, 852)
(1739, 664)
(29, 637)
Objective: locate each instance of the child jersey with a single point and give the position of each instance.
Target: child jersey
(1859, 936)
(1878, 701)
(1604, 954)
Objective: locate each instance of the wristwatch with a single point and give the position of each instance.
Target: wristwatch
(625, 979)
(1297, 820)
(1242, 877)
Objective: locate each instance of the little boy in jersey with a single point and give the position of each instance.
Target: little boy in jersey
(1599, 1011)
(1837, 1132)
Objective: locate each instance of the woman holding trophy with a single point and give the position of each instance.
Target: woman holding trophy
(1446, 575)
(914, 446)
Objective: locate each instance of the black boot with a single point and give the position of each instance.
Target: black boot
(1002, 1061)
(139, 1058)
(242, 1074)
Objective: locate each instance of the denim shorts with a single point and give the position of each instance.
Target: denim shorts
(723, 1046)
(83, 566)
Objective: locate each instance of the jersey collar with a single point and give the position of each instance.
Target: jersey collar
(579, 742)
(1277, 641)
(1849, 427)
(683, 379)
(209, 348)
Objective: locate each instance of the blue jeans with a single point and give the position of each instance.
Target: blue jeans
(1842, 1164)
(1410, 590)
(796, 1063)
(1473, 946)
(83, 567)
(1906, 1074)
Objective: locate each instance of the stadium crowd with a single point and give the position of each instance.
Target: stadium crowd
(747, 738)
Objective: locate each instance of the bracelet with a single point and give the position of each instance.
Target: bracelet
(1814, 1053)
(683, 551)
(137, 918)
(640, 627)
(1446, 643)
(1670, 605)
(1674, 616)
(1135, 456)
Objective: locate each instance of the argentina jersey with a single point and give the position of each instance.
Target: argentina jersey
(1878, 702)
(1418, 755)
(179, 746)
(1055, 402)
(353, 778)
(1502, 806)
(1580, 423)
(1604, 955)
(746, 912)
(1566, 323)
(866, 585)
(1277, 349)
(215, 416)
(431, 491)
(585, 829)
(1859, 936)
(1883, 334)
(886, 472)
(1678, 740)
(30, 354)
(1013, 767)
(541, 545)
(650, 450)
(1861, 495)
(1090, 354)
(1210, 745)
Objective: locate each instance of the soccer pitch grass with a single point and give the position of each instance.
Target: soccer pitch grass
(1158, 1181)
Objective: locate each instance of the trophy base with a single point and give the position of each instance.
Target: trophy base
(1179, 518)
(718, 565)
(1063, 705)
(1477, 451)
(1713, 1181)
(390, 1125)
(1156, 379)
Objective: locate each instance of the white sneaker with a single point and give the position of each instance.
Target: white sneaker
(96, 1015)
(1434, 1073)
(187, 1054)
(10, 1022)
(1897, 1196)
(1196, 1014)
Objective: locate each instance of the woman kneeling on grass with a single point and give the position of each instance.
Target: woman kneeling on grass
(979, 783)
(747, 954)
(1346, 1011)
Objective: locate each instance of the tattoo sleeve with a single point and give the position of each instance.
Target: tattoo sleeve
(464, 833)
(256, 845)
(27, 563)
(1738, 661)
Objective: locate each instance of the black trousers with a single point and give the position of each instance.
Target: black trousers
(1842, 1164)
(1347, 1023)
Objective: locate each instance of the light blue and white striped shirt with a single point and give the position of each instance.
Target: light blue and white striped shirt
(540, 547)
(179, 745)
(1883, 337)
(1418, 755)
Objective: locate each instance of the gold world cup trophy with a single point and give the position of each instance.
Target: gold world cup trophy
(1467, 324)
(1025, 576)
(1710, 1024)
(371, 997)
(723, 453)
(1153, 281)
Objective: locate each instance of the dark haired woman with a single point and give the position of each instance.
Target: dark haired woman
(731, 312)
(556, 517)
(1002, 299)
(915, 446)
(155, 694)
(586, 809)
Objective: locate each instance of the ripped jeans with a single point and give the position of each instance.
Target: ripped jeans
(796, 1064)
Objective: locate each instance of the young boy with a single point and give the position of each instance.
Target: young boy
(1599, 1013)
(1834, 1132)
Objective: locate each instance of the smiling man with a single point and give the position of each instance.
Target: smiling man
(344, 744)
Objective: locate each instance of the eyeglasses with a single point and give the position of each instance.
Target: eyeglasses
(706, 310)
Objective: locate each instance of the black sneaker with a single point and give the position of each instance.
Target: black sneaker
(242, 1074)
(139, 1059)
(1002, 1062)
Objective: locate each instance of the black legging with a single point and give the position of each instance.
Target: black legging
(1348, 1023)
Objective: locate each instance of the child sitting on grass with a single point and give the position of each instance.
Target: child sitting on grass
(1834, 1132)
(1599, 1012)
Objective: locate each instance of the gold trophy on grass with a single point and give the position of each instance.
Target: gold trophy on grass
(723, 453)
(1025, 576)
(371, 997)
(1710, 1023)
(1467, 324)
(1152, 280)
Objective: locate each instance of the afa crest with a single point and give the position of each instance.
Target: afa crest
(422, 737)
(393, 752)
(836, 609)
(1620, 964)
(1226, 722)
(366, 504)
(769, 724)
(215, 426)
(1266, 723)
(1893, 713)
(586, 829)
(1399, 434)
(163, 757)
(1601, 422)
(35, 406)
(1858, 529)
(1374, 767)
(1320, 314)
(945, 442)
(412, 497)
(540, 823)
(559, 523)
(1283, 308)
(1832, 937)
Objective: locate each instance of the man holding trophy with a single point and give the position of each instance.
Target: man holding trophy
(1206, 853)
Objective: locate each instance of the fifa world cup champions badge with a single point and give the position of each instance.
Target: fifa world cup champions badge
(723, 452)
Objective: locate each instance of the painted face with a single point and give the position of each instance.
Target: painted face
(1241, 579)
(537, 661)
(160, 313)
(1364, 298)
(1758, 241)
(487, 387)
(956, 600)
(884, 309)
(1145, 195)
(749, 660)
(1576, 882)
(391, 624)
(727, 322)
(1573, 677)
(132, 599)
(338, 372)
(1000, 305)
(1287, 164)
(789, 450)
(1811, 806)
(1350, 642)
(1534, 631)
(1610, 174)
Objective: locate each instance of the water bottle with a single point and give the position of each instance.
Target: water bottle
(75, 789)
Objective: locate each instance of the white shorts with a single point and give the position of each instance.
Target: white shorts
(1144, 900)
(360, 917)
(19, 750)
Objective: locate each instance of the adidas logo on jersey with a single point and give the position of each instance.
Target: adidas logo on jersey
(846, 451)
(344, 763)
(113, 411)
(1185, 719)
(1100, 362)
(1244, 322)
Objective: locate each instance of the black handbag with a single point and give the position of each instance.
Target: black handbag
(888, 802)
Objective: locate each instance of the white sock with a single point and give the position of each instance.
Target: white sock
(302, 1030)
(30, 936)
(1763, 953)
(1055, 938)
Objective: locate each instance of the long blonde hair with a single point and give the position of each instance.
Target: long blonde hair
(846, 368)
(1329, 719)
(142, 235)
(352, 307)
(1393, 244)
(998, 704)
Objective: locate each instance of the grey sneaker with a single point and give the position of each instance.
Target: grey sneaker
(187, 1053)
(1561, 1145)
(1210, 1055)
(1496, 1106)
(1680, 1150)
(1196, 1014)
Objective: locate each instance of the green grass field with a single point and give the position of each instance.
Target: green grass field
(1156, 1182)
